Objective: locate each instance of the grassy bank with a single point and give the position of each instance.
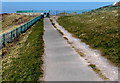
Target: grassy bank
(24, 61)
(99, 30)
(11, 21)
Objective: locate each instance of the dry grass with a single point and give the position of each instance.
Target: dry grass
(98, 71)
(11, 21)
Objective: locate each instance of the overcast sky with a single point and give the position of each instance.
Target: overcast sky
(60, 0)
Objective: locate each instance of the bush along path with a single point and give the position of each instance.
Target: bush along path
(27, 64)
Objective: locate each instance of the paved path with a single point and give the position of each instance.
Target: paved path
(62, 63)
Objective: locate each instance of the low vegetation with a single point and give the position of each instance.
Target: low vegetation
(99, 29)
(23, 61)
(56, 27)
(97, 71)
(11, 21)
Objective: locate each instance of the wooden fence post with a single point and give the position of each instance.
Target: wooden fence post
(11, 35)
(3, 40)
(21, 29)
(16, 32)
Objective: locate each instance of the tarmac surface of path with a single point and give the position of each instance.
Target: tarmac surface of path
(61, 62)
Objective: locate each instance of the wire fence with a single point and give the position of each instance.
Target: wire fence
(65, 12)
(15, 33)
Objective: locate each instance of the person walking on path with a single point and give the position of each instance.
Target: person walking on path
(48, 14)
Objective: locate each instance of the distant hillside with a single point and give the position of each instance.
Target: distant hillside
(107, 8)
(116, 3)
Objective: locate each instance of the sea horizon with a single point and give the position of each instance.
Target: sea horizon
(12, 7)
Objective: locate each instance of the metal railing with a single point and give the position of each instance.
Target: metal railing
(15, 33)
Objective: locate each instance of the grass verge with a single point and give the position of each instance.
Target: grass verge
(97, 71)
(56, 27)
(99, 30)
(26, 64)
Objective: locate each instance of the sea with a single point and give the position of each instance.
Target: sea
(79, 7)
